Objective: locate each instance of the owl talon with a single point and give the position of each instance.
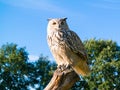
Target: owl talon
(59, 67)
(66, 66)
(63, 67)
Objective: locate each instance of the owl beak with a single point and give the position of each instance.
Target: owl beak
(58, 27)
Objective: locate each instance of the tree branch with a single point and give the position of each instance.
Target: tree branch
(63, 79)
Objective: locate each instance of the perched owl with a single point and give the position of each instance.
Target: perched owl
(66, 46)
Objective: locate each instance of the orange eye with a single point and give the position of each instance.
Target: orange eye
(54, 23)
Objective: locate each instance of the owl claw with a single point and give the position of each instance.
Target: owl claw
(63, 67)
(68, 66)
(59, 67)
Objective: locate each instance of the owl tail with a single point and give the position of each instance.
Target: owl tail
(81, 68)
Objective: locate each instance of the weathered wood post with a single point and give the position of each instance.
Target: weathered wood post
(63, 79)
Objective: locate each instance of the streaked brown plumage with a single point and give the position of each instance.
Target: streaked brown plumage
(66, 46)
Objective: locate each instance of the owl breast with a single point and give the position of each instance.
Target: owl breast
(56, 42)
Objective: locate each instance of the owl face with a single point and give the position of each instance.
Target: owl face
(57, 24)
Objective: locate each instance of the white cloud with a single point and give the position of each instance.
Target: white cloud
(35, 4)
(52, 59)
(43, 5)
(33, 58)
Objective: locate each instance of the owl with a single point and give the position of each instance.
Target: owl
(66, 46)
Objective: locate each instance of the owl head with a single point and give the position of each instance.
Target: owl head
(56, 24)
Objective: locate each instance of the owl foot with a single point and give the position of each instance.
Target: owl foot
(63, 67)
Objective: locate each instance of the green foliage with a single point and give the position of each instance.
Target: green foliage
(17, 73)
(104, 60)
(12, 63)
(42, 73)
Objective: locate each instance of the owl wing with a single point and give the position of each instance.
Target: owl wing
(75, 44)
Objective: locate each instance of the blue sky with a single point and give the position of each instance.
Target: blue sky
(24, 22)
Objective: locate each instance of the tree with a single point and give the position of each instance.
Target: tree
(42, 73)
(12, 63)
(104, 60)
(17, 73)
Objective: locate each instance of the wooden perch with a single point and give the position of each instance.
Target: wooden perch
(63, 79)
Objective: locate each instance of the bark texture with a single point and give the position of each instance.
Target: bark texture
(63, 79)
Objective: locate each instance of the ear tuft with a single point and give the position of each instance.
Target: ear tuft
(65, 18)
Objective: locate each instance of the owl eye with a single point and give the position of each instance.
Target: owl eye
(62, 23)
(54, 23)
